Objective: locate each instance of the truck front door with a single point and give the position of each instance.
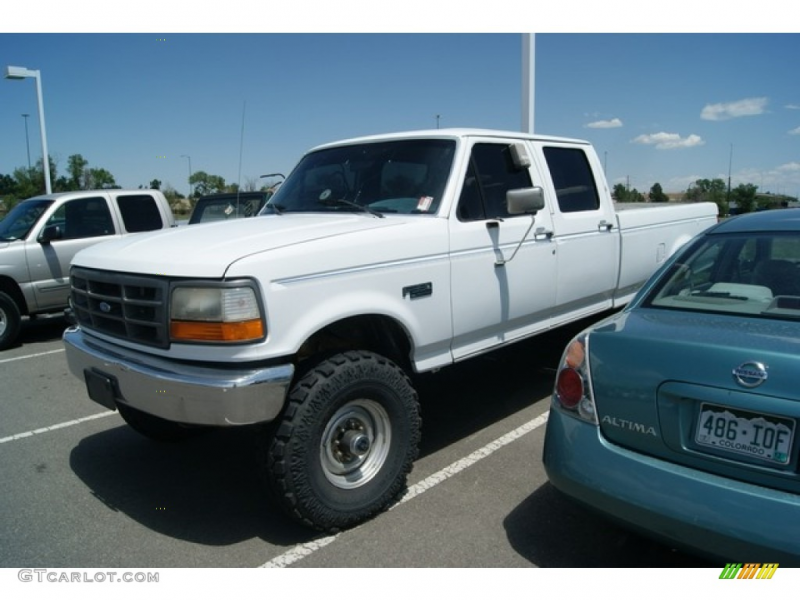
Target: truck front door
(496, 298)
(71, 227)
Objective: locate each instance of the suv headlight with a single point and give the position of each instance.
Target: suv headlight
(221, 313)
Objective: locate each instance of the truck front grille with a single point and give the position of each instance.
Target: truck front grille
(130, 307)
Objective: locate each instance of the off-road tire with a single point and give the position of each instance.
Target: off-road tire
(346, 441)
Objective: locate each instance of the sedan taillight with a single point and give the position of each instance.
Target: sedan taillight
(573, 390)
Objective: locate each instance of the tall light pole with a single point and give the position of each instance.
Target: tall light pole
(528, 80)
(437, 121)
(190, 174)
(27, 141)
(22, 73)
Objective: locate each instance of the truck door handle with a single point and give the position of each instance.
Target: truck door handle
(605, 225)
(542, 231)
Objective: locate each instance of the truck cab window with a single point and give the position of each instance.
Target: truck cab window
(572, 178)
(139, 213)
(83, 218)
(491, 173)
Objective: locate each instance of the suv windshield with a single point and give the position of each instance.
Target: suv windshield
(222, 207)
(403, 176)
(754, 275)
(21, 219)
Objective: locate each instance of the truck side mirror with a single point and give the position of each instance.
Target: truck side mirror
(50, 233)
(525, 200)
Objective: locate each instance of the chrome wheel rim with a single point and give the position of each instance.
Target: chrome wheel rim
(355, 444)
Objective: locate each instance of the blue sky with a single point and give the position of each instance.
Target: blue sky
(659, 107)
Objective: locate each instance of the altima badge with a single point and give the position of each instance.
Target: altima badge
(750, 374)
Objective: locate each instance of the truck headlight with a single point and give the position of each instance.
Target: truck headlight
(215, 314)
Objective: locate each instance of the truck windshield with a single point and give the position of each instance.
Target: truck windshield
(401, 176)
(17, 223)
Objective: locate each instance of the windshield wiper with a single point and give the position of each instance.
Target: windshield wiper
(350, 203)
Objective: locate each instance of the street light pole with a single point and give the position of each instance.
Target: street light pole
(190, 174)
(27, 140)
(528, 80)
(22, 73)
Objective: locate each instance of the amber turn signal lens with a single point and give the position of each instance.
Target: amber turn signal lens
(203, 331)
(575, 355)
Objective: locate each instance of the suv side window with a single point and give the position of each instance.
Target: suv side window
(83, 218)
(491, 173)
(139, 213)
(572, 177)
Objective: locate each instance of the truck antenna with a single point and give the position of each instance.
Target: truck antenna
(241, 146)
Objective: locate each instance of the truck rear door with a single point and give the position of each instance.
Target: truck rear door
(586, 237)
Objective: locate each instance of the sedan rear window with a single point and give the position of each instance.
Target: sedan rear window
(754, 274)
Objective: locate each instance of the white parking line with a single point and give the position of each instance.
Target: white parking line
(6, 360)
(301, 551)
(26, 434)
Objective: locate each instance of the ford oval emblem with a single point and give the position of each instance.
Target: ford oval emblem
(750, 374)
(105, 307)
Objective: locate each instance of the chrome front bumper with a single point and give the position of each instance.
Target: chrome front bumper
(179, 392)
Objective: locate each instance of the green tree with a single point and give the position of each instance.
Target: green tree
(744, 195)
(7, 194)
(710, 190)
(29, 182)
(155, 184)
(99, 179)
(623, 194)
(206, 184)
(619, 193)
(657, 194)
(7, 185)
(635, 195)
(76, 167)
(171, 194)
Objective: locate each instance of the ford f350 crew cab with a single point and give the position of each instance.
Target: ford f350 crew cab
(378, 257)
(40, 235)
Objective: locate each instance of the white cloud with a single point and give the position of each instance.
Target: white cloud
(610, 124)
(733, 110)
(790, 167)
(793, 106)
(668, 141)
(795, 131)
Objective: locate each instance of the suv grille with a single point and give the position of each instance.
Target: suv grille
(130, 307)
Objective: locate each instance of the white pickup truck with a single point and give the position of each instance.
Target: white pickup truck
(40, 235)
(377, 258)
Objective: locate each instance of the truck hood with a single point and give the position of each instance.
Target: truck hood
(207, 250)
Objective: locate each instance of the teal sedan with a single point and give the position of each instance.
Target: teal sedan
(678, 417)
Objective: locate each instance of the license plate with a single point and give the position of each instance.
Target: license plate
(766, 437)
(101, 388)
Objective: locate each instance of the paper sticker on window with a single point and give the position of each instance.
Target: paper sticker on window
(229, 209)
(424, 203)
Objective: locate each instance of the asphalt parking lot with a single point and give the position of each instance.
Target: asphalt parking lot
(83, 490)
